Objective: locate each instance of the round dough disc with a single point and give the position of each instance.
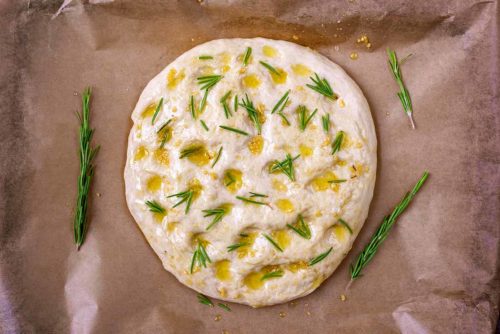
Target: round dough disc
(248, 193)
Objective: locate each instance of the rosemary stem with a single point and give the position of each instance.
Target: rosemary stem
(412, 122)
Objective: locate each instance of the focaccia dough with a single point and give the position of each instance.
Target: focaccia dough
(331, 192)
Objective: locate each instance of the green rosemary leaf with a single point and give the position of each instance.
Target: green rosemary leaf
(87, 154)
(205, 57)
(158, 107)
(403, 94)
(204, 125)
(304, 119)
(252, 194)
(252, 113)
(225, 106)
(234, 247)
(194, 259)
(285, 166)
(155, 207)
(301, 228)
(217, 157)
(337, 181)
(228, 128)
(224, 98)
(208, 81)
(272, 274)
(325, 120)
(164, 125)
(320, 257)
(202, 299)
(167, 135)
(284, 118)
(344, 223)
(224, 306)
(203, 102)
(251, 201)
(189, 151)
(200, 257)
(217, 214)
(191, 107)
(282, 101)
(247, 55)
(383, 230)
(274, 243)
(235, 103)
(270, 68)
(322, 86)
(231, 178)
(337, 143)
(184, 197)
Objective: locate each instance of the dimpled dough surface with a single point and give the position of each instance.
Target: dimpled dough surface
(270, 262)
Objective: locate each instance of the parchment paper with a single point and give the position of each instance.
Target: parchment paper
(436, 273)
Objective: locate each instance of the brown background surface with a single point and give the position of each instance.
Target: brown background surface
(436, 273)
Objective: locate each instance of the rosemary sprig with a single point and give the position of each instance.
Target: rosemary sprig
(320, 257)
(231, 178)
(403, 94)
(208, 81)
(247, 55)
(224, 306)
(337, 142)
(252, 194)
(86, 154)
(337, 181)
(202, 299)
(189, 151)
(155, 207)
(274, 243)
(304, 119)
(205, 57)
(157, 110)
(166, 135)
(383, 231)
(217, 157)
(322, 86)
(184, 197)
(217, 214)
(283, 117)
(344, 223)
(192, 108)
(285, 166)
(282, 102)
(270, 68)
(251, 201)
(234, 247)
(301, 228)
(272, 274)
(238, 131)
(204, 125)
(225, 106)
(252, 112)
(200, 257)
(325, 120)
